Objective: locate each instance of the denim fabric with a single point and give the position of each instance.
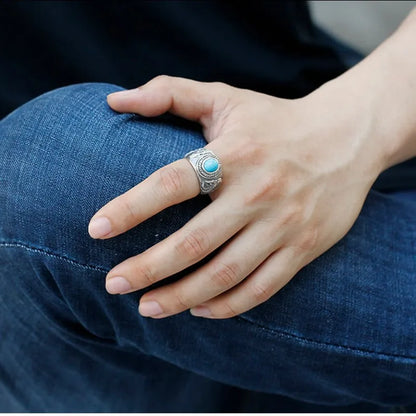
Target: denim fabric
(340, 336)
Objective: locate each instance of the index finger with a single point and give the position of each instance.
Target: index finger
(167, 186)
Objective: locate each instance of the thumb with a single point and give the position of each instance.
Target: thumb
(183, 97)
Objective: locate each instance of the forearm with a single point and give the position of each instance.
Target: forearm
(382, 91)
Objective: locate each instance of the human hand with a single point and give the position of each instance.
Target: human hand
(295, 176)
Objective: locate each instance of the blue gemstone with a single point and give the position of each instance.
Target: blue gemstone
(211, 165)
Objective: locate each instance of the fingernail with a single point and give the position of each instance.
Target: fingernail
(117, 284)
(200, 311)
(99, 227)
(123, 94)
(150, 308)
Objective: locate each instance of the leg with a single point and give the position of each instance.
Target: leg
(340, 333)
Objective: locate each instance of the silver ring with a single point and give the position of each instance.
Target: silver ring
(207, 168)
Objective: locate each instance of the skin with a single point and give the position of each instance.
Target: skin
(295, 177)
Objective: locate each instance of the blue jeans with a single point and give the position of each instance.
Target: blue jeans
(340, 336)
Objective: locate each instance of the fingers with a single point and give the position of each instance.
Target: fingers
(205, 232)
(167, 186)
(229, 267)
(184, 97)
(262, 284)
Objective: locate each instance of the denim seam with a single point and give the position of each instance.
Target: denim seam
(51, 254)
(363, 351)
(262, 327)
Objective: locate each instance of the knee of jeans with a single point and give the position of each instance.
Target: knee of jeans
(64, 155)
(50, 151)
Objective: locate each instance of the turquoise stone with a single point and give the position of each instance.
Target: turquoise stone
(211, 165)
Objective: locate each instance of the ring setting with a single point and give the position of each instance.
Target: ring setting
(207, 168)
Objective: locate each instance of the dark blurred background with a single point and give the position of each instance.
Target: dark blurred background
(273, 47)
(267, 46)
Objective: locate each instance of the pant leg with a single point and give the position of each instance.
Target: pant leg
(342, 332)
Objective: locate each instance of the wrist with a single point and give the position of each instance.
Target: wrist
(382, 91)
(347, 114)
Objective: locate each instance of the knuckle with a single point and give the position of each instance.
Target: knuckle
(194, 245)
(225, 275)
(129, 208)
(218, 84)
(171, 181)
(266, 190)
(162, 79)
(222, 88)
(180, 301)
(144, 272)
(227, 310)
(291, 217)
(261, 292)
(250, 153)
(308, 240)
(294, 215)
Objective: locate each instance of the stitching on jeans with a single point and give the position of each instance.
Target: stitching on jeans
(414, 250)
(53, 255)
(339, 346)
(262, 327)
